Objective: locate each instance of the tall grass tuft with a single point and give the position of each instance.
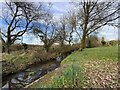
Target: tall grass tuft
(71, 77)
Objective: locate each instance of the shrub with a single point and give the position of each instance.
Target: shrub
(40, 55)
(103, 41)
(113, 42)
(16, 47)
(25, 46)
(92, 41)
(64, 49)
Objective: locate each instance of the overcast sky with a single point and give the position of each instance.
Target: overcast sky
(61, 8)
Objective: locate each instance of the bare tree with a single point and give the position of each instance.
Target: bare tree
(68, 27)
(72, 21)
(18, 17)
(47, 32)
(94, 15)
(62, 32)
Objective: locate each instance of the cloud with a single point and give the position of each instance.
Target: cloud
(60, 7)
(109, 32)
(31, 39)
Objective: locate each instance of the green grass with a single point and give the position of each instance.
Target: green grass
(75, 63)
(100, 53)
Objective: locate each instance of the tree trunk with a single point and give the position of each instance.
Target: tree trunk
(3, 45)
(8, 42)
(8, 47)
(86, 17)
(47, 47)
(62, 43)
(83, 41)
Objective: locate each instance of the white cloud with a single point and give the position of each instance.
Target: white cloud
(109, 32)
(31, 39)
(2, 0)
(59, 7)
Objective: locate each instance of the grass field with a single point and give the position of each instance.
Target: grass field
(93, 67)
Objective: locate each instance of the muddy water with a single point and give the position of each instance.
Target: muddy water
(23, 78)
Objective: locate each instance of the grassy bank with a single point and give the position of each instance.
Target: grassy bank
(93, 67)
(19, 60)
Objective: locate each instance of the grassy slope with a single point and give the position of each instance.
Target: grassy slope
(93, 67)
(18, 60)
(100, 53)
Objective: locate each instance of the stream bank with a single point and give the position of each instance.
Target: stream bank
(29, 75)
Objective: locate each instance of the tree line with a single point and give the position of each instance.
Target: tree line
(37, 18)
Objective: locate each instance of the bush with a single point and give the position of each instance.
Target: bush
(68, 49)
(64, 49)
(92, 41)
(16, 47)
(25, 46)
(103, 42)
(113, 42)
(40, 54)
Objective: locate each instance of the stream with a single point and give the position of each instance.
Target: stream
(29, 75)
